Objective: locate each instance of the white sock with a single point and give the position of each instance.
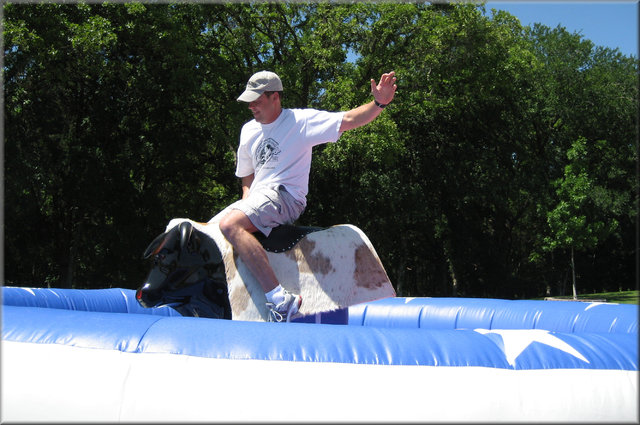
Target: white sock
(276, 295)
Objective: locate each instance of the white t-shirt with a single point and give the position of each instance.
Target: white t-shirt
(280, 152)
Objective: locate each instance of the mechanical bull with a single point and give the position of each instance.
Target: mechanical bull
(196, 271)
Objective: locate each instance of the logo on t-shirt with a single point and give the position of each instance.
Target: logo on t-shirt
(268, 150)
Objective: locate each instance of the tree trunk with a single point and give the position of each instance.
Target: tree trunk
(573, 272)
(401, 268)
(450, 267)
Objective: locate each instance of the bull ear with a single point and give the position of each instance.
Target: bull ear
(185, 228)
(155, 246)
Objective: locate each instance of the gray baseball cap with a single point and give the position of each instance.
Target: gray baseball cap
(259, 83)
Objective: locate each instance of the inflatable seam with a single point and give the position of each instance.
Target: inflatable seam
(536, 319)
(364, 315)
(124, 299)
(493, 315)
(455, 322)
(138, 348)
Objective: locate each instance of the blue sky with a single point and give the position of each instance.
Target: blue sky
(606, 23)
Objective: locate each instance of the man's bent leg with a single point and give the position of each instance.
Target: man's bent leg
(238, 229)
(262, 211)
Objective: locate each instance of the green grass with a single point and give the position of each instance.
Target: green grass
(623, 297)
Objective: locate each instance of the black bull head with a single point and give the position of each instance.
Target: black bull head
(187, 274)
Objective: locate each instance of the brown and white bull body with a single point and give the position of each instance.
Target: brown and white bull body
(330, 268)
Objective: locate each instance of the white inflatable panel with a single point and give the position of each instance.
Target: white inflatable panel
(67, 365)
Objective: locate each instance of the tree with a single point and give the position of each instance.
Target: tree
(108, 136)
(586, 93)
(120, 117)
(583, 217)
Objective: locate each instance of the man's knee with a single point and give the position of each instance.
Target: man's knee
(228, 225)
(234, 222)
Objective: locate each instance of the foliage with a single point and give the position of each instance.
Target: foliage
(579, 197)
(506, 146)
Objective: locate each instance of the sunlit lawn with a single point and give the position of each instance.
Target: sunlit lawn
(624, 297)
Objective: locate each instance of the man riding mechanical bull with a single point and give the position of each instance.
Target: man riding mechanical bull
(273, 163)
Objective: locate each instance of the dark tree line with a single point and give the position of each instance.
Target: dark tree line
(508, 155)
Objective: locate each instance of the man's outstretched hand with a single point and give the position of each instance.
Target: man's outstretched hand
(384, 91)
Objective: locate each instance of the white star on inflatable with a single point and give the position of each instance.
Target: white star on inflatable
(517, 340)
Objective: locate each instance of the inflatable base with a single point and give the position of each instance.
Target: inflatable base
(397, 360)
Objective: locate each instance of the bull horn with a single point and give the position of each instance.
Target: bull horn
(185, 228)
(155, 246)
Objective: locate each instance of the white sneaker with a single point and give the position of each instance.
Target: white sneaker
(286, 309)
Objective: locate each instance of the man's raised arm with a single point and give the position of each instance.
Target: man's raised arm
(382, 92)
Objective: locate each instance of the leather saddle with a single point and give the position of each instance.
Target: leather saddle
(284, 237)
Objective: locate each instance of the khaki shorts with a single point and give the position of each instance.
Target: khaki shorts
(270, 207)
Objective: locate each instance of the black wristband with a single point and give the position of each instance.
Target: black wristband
(380, 105)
